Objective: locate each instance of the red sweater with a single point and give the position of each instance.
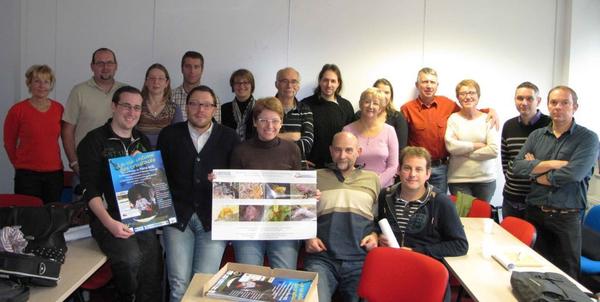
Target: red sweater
(31, 137)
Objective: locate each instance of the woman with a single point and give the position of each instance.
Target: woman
(390, 115)
(472, 144)
(331, 112)
(266, 151)
(377, 139)
(158, 111)
(237, 114)
(31, 132)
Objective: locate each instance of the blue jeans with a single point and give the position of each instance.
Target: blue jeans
(281, 253)
(189, 252)
(479, 190)
(439, 178)
(335, 274)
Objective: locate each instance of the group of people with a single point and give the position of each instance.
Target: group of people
(374, 163)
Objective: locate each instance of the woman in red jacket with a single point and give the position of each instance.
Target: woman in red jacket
(31, 133)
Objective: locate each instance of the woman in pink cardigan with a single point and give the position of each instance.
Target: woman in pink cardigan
(377, 139)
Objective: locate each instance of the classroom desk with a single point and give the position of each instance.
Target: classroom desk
(481, 276)
(82, 260)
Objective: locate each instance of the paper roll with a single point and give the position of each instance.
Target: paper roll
(386, 229)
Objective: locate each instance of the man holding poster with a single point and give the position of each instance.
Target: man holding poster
(345, 227)
(136, 259)
(190, 151)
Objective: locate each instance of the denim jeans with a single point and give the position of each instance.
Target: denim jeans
(513, 208)
(189, 252)
(439, 178)
(281, 253)
(479, 190)
(136, 262)
(335, 274)
(558, 238)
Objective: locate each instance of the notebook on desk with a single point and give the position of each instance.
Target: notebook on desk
(514, 259)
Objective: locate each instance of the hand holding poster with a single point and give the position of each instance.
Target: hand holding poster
(264, 205)
(142, 191)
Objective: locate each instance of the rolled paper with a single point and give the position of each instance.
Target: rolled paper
(386, 229)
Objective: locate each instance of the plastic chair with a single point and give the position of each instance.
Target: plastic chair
(391, 274)
(521, 229)
(19, 200)
(592, 220)
(479, 208)
(99, 279)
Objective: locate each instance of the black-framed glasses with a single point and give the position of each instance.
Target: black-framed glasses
(196, 105)
(129, 107)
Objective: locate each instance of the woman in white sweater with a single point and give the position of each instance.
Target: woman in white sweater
(472, 144)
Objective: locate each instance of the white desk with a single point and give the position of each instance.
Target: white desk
(82, 260)
(482, 277)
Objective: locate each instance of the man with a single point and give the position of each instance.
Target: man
(89, 103)
(135, 259)
(190, 151)
(427, 116)
(514, 134)
(331, 112)
(345, 229)
(558, 159)
(298, 118)
(192, 66)
(422, 219)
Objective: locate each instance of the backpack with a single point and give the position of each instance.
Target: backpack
(545, 287)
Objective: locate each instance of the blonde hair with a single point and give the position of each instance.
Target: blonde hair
(39, 71)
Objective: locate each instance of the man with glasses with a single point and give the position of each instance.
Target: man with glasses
(192, 67)
(135, 259)
(88, 105)
(190, 151)
(297, 117)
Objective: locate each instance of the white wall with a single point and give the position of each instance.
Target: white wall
(500, 44)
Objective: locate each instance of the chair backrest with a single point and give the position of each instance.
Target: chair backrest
(19, 200)
(391, 274)
(521, 229)
(480, 209)
(592, 219)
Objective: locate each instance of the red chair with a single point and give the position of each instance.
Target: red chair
(99, 279)
(481, 209)
(521, 229)
(19, 200)
(391, 274)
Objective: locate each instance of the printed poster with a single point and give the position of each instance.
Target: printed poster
(142, 191)
(264, 205)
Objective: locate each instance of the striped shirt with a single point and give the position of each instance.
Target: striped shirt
(514, 135)
(404, 210)
(300, 119)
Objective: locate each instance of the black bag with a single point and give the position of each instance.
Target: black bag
(11, 291)
(43, 227)
(30, 269)
(545, 287)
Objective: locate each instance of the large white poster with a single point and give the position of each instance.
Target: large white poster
(264, 205)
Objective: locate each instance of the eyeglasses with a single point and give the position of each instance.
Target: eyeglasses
(195, 105)
(107, 64)
(245, 83)
(265, 122)
(469, 93)
(158, 79)
(288, 82)
(128, 107)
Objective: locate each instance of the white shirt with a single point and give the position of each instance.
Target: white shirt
(199, 139)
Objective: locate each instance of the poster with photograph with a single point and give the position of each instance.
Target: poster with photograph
(264, 205)
(142, 191)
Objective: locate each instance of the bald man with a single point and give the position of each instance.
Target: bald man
(345, 228)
